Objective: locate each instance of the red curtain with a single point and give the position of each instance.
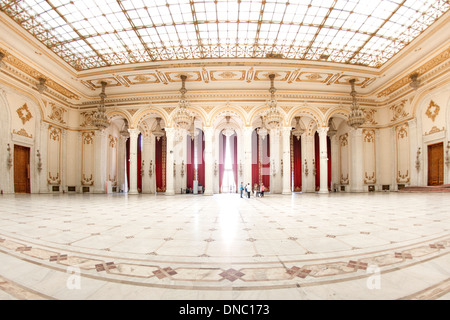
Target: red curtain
(190, 163)
(235, 164)
(297, 157)
(255, 159)
(128, 164)
(317, 159)
(329, 162)
(139, 163)
(160, 164)
(222, 148)
(265, 170)
(200, 159)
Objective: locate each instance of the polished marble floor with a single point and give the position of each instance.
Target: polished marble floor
(302, 246)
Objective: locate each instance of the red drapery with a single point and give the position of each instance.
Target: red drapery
(190, 163)
(160, 164)
(317, 159)
(265, 161)
(128, 165)
(235, 164)
(222, 148)
(200, 160)
(329, 162)
(139, 162)
(255, 159)
(297, 159)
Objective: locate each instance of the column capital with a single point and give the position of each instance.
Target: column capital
(323, 130)
(286, 130)
(247, 130)
(208, 131)
(134, 133)
(170, 132)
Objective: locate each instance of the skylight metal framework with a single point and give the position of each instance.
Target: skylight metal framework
(90, 34)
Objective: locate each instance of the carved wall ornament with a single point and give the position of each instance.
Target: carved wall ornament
(86, 118)
(370, 179)
(54, 133)
(88, 137)
(398, 110)
(369, 114)
(403, 178)
(112, 141)
(434, 130)
(343, 140)
(369, 135)
(344, 180)
(87, 181)
(432, 110)
(24, 113)
(22, 132)
(53, 179)
(402, 132)
(57, 113)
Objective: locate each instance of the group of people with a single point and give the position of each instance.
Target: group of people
(258, 190)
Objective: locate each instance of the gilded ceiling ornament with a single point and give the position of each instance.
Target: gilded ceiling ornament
(432, 110)
(227, 75)
(24, 113)
(370, 115)
(86, 118)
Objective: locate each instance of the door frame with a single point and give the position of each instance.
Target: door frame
(428, 161)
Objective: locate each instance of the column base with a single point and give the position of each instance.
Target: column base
(170, 193)
(323, 191)
(133, 192)
(287, 193)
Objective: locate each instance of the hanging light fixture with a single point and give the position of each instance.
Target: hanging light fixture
(331, 129)
(41, 87)
(124, 132)
(273, 116)
(298, 130)
(356, 117)
(158, 132)
(192, 132)
(99, 118)
(262, 131)
(228, 131)
(182, 117)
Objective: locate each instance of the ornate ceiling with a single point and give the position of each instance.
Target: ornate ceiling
(89, 34)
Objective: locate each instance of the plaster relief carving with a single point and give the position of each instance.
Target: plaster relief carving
(370, 115)
(57, 113)
(24, 113)
(22, 132)
(398, 110)
(432, 110)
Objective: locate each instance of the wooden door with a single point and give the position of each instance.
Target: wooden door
(436, 164)
(21, 169)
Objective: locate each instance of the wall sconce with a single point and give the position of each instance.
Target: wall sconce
(142, 168)
(182, 168)
(9, 159)
(174, 168)
(281, 167)
(314, 167)
(306, 168)
(240, 168)
(150, 170)
(39, 163)
(215, 168)
(418, 159)
(447, 157)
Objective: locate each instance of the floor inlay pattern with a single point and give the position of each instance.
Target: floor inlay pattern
(277, 244)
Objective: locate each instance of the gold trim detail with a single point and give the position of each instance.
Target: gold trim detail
(22, 132)
(432, 110)
(24, 113)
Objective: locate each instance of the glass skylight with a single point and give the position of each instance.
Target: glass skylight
(96, 33)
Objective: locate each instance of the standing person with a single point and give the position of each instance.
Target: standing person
(249, 190)
(262, 190)
(242, 188)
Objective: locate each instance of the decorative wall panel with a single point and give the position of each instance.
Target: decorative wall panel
(369, 153)
(403, 161)
(344, 150)
(87, 158)
(54, 144)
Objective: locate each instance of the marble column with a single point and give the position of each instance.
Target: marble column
(134, 134)
(247, 165)
(275, 163)
(146, 157)
(357, 161)
(79, 161)
(414, 145)
(209, 166)
(150, 172)
(335, 179)
(323, 155)
(170, 135)
(122, 164)
(308, 179)
(63, 161)
(286, 136)
(100, 161)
